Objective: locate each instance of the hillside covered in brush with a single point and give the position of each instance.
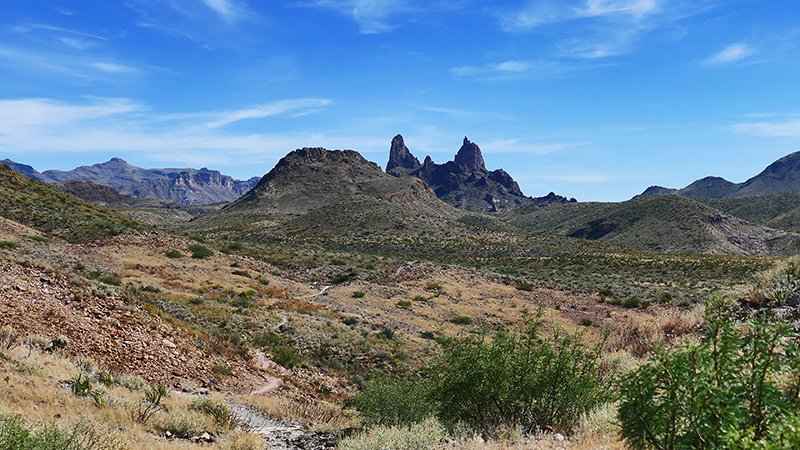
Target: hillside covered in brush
(39, 205)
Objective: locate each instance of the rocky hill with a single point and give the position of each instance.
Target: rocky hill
(185, 186)
(464, 182)
(781, 176)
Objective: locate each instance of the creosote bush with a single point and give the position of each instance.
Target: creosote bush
(200, 251)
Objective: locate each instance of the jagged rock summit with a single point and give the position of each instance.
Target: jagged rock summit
(464, 182)
(400, 158)
(469, 155)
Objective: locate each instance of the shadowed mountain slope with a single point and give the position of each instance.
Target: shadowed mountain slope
(668, 223)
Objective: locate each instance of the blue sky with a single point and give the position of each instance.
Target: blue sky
(593, 99)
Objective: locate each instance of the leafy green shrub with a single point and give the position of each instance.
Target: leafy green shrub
(780, 284)
(242, 273)
(41, 239)
(394, 401)
(200, 251)
(461, 320)
(174, 254)
(518, 378)
(419, 298)
(350, 321)
(197, 301)
(358, 294)
(403, 304)
(736, 388)
(586, 322)
(386, 333)
(285, 356)
(524, 286)
(433, 287)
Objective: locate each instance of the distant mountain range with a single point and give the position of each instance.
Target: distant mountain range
(185, 186)
(781, 176)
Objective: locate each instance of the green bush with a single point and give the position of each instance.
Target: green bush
(215, 408)
(461, 320)
(523, 286)
(736, 388)
(518, 378)
(200, 251)
(285, 356)
(15, 434)
(394, 401)
(9, 245)
(358, 294)
(174, 254)
(404, 304)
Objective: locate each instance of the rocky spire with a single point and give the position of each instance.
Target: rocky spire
(400, 157)
(469, 155)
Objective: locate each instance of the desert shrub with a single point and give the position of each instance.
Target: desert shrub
(461, 320)
(421, 436)
(524, 286)
(16, 434)
(149, 406)
(586, 322)
(174, 254)
(9, 245)
(780, 284)
(200, 251)
(215, 408)
(112, 280)
(433, 287)
(240, 440)
(404, 304)
(350, 321)
(419, 298)
(736, 388)
(266, 340)
(285, 356)
(41, 239)
(8, 338)
(182, 425)
(242, 273)
(518, 378)
(358, 294)
(394, 401)
(223, 369)
(105, 378)
(151, 289)
(386, 333)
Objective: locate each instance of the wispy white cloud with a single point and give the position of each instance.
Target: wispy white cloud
(770, 129)
(510, 70)
(518, 146)
(731, 54)
(372, 15)
(113, 68)
(298, 107)
(599, 28)
(227, 9)
(580, 178)
(122, 125)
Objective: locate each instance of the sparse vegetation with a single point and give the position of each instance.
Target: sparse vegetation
(200, 251)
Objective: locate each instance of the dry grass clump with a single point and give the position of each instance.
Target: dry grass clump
(641, 338)
(324, 416)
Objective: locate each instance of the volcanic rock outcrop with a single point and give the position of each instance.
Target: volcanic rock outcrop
(464, 182)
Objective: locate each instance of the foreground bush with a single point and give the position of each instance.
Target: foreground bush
(15, 434)
(736, 388)
(513, 379)
(421, 436)
(518, 378)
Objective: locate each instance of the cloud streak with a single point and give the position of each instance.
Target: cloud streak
(371, 15)
(770, 129)
(123, 125)
(731, 54)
